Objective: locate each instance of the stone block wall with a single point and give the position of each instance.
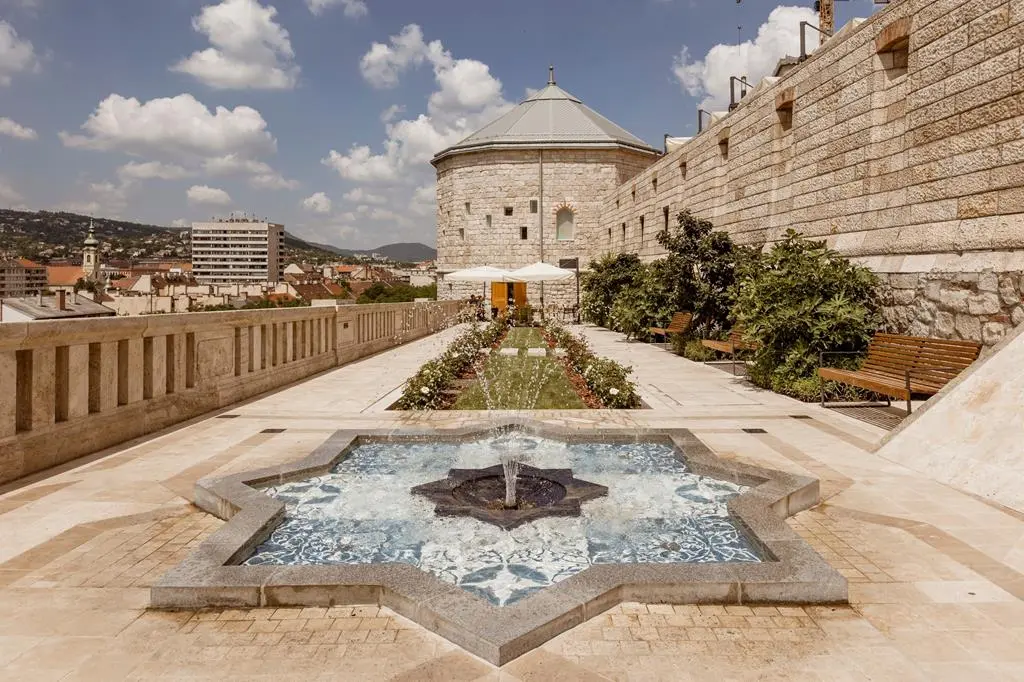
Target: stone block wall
(74, 387)
(901, 138)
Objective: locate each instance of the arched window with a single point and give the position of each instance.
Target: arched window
(565, 224)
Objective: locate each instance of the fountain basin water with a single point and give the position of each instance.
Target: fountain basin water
(639, 504)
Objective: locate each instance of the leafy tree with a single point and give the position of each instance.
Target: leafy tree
(605, 279)
(381, 292)
(700, 266)
(645, 303)
(797, 301)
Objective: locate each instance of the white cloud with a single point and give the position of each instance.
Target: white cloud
(467, 97)
(152, 170)
(16, 54)
(383, 63)
(361, 196)
(233, 164)
(250, 50)
(353, 8)
(180, 222)
(18, 132)
(176, 126)
(202, 194)
(272, 180)
(317, 203)
(391, 113)
(778, 37)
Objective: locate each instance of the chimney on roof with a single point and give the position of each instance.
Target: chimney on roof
(62, 300)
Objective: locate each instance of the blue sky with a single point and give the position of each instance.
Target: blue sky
(323, 114)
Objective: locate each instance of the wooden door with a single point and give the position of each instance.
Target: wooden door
(499, 295)
(519, 294)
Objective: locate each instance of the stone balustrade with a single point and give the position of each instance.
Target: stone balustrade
(73, 387)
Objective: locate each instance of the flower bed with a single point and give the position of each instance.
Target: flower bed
(429, 388)
(607, 379)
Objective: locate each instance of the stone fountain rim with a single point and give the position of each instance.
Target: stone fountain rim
(211, 576)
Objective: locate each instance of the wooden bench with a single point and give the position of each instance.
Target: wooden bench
(733, 343)
(900, 366)
(679, 324)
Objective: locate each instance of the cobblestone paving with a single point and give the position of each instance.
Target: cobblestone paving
(936, 583)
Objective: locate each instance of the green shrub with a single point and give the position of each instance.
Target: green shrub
(606, 378)
(425, 390)
(602, 282)
(797, 301)
(691, 349)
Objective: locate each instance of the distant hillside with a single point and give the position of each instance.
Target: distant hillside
(47, 235)
(406, 252)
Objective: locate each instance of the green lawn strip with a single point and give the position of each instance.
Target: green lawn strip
(524, 337)
(516, 382)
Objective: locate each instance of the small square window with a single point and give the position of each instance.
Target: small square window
(634, 194)
(533, 205)
(723, 148)
(682, 169)
(623, 231)
(487, 219)
(462, 233)
(523, 232)
(609, 234)
(616, 203)
(654, 183)
(508, 210)
(641, 228)
(664, 212)
(467, 208)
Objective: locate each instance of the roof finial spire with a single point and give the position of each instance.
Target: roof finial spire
(551, 74)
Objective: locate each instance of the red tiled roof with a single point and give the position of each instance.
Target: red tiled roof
(25, 262)
(64, 275)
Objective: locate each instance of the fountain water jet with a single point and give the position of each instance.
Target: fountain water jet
(510, 466)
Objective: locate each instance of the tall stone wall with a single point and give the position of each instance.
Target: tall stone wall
(489, 181)
(909, 161)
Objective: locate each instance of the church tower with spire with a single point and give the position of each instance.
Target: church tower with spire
(90, 257)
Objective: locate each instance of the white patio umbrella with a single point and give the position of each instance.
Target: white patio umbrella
(483, 273)
(542, 272)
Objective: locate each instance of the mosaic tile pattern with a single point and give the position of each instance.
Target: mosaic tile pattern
(362, 512)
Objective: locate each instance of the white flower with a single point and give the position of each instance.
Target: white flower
(613, 391)
(425, 391)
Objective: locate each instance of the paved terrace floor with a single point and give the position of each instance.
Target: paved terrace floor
(936, 575)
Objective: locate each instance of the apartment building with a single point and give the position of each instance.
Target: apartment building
(21, 277)
(236, 250)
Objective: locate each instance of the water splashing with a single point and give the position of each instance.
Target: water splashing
(511, 466)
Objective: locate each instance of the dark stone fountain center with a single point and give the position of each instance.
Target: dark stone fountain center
(480, 494)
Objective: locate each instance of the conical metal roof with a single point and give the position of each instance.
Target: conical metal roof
(549, 118)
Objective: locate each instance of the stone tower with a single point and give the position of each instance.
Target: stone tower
(529, 187)
(90, 256)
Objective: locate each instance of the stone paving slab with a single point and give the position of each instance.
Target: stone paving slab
(935, 575)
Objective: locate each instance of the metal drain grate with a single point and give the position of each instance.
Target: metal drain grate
(754, 431)
(273, 431)
(887, 418)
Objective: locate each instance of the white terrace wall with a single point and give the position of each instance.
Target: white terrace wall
(70, 388)
(911, 162)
